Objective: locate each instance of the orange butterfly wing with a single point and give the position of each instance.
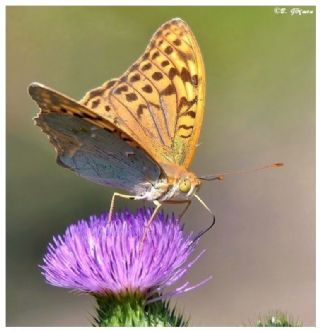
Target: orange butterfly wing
(51, 101)
(159, 100)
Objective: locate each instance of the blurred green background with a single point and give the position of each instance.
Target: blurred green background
(260, 109)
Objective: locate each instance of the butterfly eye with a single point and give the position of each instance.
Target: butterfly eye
(185, 186)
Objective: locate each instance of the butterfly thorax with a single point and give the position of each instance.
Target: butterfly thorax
(177, 184)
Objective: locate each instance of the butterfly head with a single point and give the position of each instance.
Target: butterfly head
(188, 184)
(180, 184)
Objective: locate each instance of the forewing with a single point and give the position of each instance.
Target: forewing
(98, 153)
(159, 100)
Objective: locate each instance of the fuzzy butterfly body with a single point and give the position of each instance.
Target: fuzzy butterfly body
(137, 132)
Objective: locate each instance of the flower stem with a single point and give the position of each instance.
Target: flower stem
(131, 310)
(277, 319)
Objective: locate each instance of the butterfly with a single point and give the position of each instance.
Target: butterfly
(137, 132)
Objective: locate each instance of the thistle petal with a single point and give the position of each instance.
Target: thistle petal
(98, 257)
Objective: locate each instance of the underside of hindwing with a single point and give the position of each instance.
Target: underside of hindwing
(97, 154)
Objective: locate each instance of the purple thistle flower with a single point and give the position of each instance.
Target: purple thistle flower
(100, 258)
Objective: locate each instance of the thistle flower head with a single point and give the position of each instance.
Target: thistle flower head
(99, 257)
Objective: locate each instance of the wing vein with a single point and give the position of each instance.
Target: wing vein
(132, 115)
(115, 110)
(178, 51)
(150, 112)
(160, 106)
(183, 39)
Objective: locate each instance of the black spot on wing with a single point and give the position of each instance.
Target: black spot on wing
(184, 102)
(146, 67)
(185, 75)
(95, 103)
(145, 56)
(173, 72)
(131, 97)
(135, 78)
(186, 127)
(141, 109)
(165, 63)
(195, 80)
(190, 113)
(147, 88)
(185, 136)
(157, 75)
(110, 84)
(155, 55)
(169, 90)
(96, 93)
(168, 50)
(121, 89)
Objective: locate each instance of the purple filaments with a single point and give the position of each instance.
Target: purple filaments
(99, 257)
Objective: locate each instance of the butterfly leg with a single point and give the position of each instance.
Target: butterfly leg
(147, 225)
(116, 194)
(188, 203)
(212, 217)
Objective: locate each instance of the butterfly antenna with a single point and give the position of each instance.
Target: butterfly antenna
(221, 176)
(200, 234)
